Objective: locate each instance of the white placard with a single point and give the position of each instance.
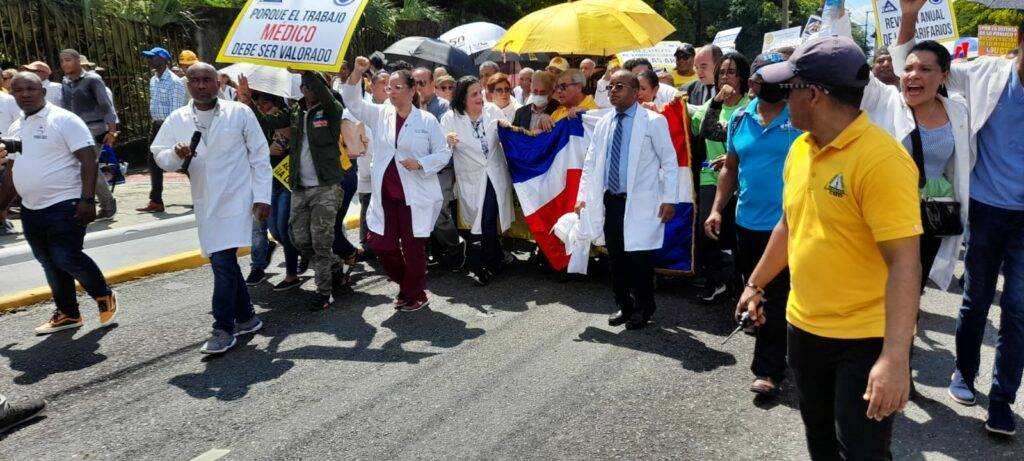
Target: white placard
(727, 37)
(301, 34)
(782, 38)
(662, 55)
(936, 21)
(812, 27)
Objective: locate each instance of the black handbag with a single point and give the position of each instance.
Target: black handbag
(940, 217)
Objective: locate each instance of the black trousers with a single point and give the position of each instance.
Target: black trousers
(632, 271)
(485, 251)
(770, 345)
(831, 375)
(709, 251)
(156, 174)
(929, 250)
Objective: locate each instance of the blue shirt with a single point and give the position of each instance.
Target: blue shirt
(998, 177)
(627, 132)
(166, 93)
(762, 152)
(438, 107)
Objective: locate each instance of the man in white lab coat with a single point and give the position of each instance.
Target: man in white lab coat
(629, 188)
(221, 147)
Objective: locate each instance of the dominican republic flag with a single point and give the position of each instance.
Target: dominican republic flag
(546, 170)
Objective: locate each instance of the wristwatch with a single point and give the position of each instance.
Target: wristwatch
(89, 200)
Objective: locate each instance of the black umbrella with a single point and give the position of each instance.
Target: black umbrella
(431, 52)
(496, 56)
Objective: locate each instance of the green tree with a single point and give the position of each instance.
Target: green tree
(970, 15)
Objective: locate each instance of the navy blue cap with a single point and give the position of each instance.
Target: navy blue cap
(831, 61)
(157, 52)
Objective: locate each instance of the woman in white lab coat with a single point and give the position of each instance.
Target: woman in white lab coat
(500, 90)
(409, 149)
(485, 186)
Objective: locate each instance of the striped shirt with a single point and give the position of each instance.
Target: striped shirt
(166, 93)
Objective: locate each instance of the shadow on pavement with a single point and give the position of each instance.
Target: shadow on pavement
(229, 376)
(56, 353)
(673, 343)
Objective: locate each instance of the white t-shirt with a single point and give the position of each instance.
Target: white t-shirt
(47, 171)
(54, 93)
(307, 170)
(9, 111)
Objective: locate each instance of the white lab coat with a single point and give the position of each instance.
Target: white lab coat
(652, 180)
(886, 107)
(472, 169)
(9, 111)
(230, 172)
(421, 139)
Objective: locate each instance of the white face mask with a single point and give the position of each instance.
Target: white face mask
(537, 100)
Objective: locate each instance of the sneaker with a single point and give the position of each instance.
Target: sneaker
(220, 341)
(7, 228)
(253, 325)
(712, 294)
(399, 302)
(960, 391)
(481, 277)
(256, 277)
(286, 284)
(21, 413)
(414, 306)
(107, 306)
(1000, 418)
(58, 322)
(321, 302)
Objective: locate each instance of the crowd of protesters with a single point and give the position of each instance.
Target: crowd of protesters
(829, 192)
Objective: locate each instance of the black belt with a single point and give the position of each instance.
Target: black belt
(614, 195)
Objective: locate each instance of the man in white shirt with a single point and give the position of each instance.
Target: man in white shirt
(522, 90)
(9, 111)
(222, 148)
(57, 183)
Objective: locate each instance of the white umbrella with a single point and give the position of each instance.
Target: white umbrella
(266, 79)
(1007, 4)
(473, 37)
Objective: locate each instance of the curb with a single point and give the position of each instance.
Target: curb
(178, 262)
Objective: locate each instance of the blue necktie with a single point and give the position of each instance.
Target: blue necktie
(613, 161)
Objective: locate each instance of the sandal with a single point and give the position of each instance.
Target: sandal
(764, 386)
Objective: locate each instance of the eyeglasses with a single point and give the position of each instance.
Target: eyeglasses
(501, 90)
(727, 72)
(390, 89)
(565, 86)
(804, 86)
(421, 83)
(616, 87)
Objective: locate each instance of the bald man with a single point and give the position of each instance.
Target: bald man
(522, 90)
(55, 175)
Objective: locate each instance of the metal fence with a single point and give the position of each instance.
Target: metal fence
(36, 30)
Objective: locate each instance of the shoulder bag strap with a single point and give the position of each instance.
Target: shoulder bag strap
(918, 151)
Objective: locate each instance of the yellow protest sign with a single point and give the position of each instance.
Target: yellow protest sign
(996, 40)
(301, 34)
(282, 172)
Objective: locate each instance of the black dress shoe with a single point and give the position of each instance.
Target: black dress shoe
(618, 318)
(637, 322)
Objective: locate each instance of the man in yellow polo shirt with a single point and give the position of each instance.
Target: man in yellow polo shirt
(570, 96)
(849, 234)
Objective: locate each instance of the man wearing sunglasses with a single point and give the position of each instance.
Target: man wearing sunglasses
(429, 101)
(570, 96)
(849, 234)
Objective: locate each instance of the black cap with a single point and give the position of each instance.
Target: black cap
(831, 61)
(685, 51)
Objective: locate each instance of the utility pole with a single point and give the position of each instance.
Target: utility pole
(785, 14)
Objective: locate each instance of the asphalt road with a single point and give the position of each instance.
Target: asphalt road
(526, 368)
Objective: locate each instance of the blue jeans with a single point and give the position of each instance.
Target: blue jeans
(342, 247)
(996, 240)
(231, 303)
(56, 241)
(260, 246)
(280, 212)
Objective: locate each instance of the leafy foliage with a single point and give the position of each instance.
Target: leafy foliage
(970, 15)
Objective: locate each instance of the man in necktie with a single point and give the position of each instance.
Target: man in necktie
(630, 183)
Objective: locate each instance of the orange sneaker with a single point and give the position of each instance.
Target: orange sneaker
(108, 308)
(58, 322)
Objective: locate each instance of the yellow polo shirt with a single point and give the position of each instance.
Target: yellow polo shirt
(680, 80)
(588, 103)
(839, 201)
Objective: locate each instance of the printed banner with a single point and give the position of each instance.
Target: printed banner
(812, 27)
(301, 34)
(997, 40)
(781, 39)
(936, 21)
(662, 55)
(727, 37)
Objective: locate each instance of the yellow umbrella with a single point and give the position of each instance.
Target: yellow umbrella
(589, 27)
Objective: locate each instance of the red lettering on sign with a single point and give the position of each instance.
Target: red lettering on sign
(288, 33)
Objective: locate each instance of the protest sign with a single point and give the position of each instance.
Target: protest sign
(662, 55)
(727, 38)
(301, 34)
(782, 38)
(965, 48)
(996, 40)
(936, 21)
(812, 27)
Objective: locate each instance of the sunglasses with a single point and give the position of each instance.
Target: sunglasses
(616, 87)
(395, 88)
(446, 87)
(421, 83)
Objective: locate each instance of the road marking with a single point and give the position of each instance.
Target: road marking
(214, 454)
